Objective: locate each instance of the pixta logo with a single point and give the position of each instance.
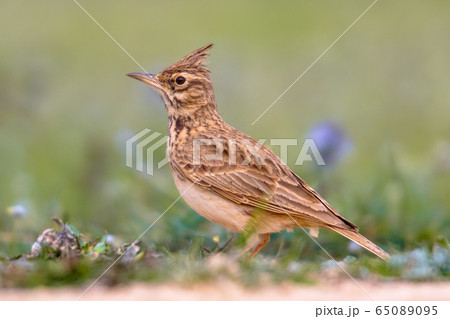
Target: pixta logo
(140, 150)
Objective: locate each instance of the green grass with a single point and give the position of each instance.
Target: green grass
(65, 257)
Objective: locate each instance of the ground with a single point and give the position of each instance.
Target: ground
(225, 290)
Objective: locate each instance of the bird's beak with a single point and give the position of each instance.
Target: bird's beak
(146, 78)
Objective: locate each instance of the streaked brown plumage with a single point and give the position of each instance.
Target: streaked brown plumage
(249, 186)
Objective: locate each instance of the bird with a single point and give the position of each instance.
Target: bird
(228, 177)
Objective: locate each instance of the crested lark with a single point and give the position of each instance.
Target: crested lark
(227, 176)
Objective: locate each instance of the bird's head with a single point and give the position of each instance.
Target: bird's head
(185, 85)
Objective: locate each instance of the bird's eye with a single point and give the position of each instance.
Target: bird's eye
(180, 80)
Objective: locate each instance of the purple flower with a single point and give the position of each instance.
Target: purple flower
(331, 141)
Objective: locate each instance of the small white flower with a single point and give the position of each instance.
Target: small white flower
(17, 210)
(110, 239)
(354, 247)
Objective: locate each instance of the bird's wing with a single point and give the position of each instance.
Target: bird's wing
(272, 186)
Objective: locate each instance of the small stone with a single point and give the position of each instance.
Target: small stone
(36, 249)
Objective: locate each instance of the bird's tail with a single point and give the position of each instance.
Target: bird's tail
(363, 241)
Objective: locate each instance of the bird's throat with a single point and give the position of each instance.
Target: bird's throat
(193, 121)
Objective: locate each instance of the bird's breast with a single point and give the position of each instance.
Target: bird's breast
(212, 206)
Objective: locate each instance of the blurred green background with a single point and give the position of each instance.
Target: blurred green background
(66, 109)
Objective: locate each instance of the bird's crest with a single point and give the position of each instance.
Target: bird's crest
(194, 61)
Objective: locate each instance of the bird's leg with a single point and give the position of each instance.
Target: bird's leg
(263, 239)
(227, 243)
(251, 241)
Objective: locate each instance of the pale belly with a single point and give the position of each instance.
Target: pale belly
(225, 212)
(213, 207)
